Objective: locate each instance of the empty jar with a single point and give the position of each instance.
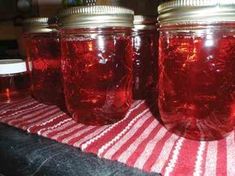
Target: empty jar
(145, 45)
(14, 80)
(197, 68)
(43, 53)
(97, 62)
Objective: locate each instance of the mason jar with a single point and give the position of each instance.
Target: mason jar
(197, 68)
(97, 62)
(14, 80)
(43, 53)
(145, 47)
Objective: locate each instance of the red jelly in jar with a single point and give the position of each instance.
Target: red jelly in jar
(97, 63)
(197, 69)
(43, 50)
(145, 44)
(14, 80)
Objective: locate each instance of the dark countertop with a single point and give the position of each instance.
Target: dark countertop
(23, 154)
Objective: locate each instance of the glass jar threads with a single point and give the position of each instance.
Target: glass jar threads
(14, 80)
(197, 68)
(97, 62)
(43, 49)
(145, 44)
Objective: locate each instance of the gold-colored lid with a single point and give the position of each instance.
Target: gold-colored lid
(37, 25)
(196, 11)
(96, 16)
(145, 22)
(53, 22)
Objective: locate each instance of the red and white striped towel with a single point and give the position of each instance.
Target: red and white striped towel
(138, 140)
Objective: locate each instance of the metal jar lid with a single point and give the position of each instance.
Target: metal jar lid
(196, 11)
(96, 16)
(145, 22)
(12, 66)
(37, 25)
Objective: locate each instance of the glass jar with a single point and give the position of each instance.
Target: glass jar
(14, 80)
(43, 48)
(97, 63)
(145, 44)
(197, 68)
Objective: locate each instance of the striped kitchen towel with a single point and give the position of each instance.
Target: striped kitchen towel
(138, 140)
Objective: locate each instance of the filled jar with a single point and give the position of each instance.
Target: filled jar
(97, 62)
(43, 53)
(197, 68)
(145, 47)
(14, 80)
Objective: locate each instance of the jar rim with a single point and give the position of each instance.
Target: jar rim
(96, 16)
(145, 20)
(37, 25)
(190, 11)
